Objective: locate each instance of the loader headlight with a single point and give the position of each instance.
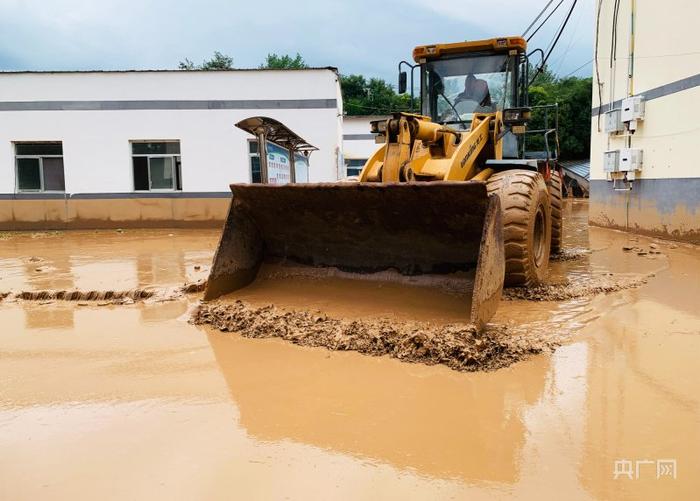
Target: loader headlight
(516, 116)
(511, 115)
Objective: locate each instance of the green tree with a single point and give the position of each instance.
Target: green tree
(573, 95)
(371, 97)
(545, 76)
(218, 62)
(284, 62)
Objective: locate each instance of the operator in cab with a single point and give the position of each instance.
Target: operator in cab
(475, 89)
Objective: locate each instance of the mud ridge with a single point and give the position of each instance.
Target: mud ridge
(109, 296)
(76, 295)
(604, 284)
(569, 255)
(458, 346)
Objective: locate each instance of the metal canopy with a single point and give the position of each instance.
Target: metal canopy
(276, 132)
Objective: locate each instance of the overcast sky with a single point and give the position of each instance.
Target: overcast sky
(357, 36)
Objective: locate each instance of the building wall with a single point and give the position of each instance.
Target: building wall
(97, 114)
(665, 200)
(358, 142)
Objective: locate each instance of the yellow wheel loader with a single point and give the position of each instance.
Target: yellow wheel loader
(451, 191)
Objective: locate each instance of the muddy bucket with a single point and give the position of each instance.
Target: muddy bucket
(365, 230)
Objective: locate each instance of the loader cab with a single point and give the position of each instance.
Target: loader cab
(462, 79)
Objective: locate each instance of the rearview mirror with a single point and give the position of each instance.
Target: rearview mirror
(402, 82)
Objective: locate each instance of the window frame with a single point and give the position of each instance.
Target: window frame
(348, 162)
(41, 167)
(252, 155)
(176, 165)
(429, 108)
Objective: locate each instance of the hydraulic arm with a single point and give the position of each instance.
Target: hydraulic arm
(417, 149)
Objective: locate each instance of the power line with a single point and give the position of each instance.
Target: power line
(545, 20)
(554, 42)
(595, 58)
(580, 67)
(562, 57)
(537, 18)
(613, 44)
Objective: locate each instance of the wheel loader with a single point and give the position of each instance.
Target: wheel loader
(450, 191)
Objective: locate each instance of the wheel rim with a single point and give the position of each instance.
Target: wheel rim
(538, 237)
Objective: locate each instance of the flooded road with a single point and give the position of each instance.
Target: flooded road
(104, 259)
(132, 401)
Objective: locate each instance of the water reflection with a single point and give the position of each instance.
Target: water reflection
(99, 260)
(431, 420)
(103, 260)
(644, 383)
(49, 318)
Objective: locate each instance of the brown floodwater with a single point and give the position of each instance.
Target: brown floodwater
(132, 401)
(104, 259)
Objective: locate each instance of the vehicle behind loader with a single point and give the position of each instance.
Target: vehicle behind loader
(450, 193)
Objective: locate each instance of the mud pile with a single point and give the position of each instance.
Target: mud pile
(458, 346)
(601, 284)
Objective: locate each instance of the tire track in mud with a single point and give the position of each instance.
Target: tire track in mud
(604, 284)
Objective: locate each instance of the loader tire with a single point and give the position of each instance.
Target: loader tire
(556, 201)
(527, 225)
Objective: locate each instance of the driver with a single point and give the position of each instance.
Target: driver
(475, 89)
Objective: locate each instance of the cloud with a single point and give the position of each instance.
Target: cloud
(360, 36)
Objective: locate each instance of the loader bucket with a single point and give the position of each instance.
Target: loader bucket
(365, 228)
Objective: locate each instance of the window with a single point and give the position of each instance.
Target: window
(453, 89)
(156, 165)
(40, 167)
(354, 166)
(255, 174)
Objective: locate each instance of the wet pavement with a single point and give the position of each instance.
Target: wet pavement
(132, 401)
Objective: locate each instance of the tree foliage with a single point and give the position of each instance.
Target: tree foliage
(374, 96)
(573, 95)
(219, 61)
(371, 97)
(284, 62)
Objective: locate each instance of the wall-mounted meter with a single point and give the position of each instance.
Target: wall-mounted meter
(613, 122)
(632, 108)
(630, 159)
(611, 161)
(631, 111)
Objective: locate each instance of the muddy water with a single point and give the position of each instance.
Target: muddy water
(133, 402)
(104, 259)
(549, 313)
(348, 298)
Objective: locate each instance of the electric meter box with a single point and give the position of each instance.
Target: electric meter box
(611, 161)
(630, 160)
(613, 121)
(632, 109)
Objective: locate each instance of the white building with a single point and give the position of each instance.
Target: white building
(150, 148)
(358, 142)
(645, 172)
